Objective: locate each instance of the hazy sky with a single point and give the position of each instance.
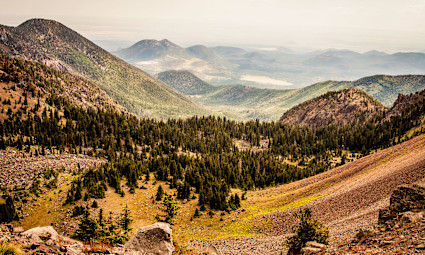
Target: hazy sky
(388, 25)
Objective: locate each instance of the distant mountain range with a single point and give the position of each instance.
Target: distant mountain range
(243, 102)
(181, 93)
(55, 45)
(279, 68)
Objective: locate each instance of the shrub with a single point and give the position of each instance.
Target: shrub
(308, 229)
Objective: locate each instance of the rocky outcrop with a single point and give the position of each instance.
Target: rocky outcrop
(40, 240)
(406, 203)
(154, 239)
(401, 228)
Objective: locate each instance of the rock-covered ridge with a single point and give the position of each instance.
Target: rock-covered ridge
(405, 101)
(400, 229)
(348, 106)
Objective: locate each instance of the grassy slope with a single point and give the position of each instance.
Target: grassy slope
(263, 207)
(51, 42)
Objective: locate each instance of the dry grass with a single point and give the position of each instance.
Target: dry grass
(8, 248)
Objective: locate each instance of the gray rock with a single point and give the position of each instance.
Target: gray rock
(314, 244)
(408, 198)
(210, 250)
(18, 230)
(73, 249)
(310, 250)
(156, 239)
(36, 233)
(411, 217)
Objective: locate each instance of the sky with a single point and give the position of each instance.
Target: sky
(361, 25)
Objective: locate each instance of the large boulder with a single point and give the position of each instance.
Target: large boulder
(405, 198)
(154, 239)
(45, 240)
(408, 198)
(41, 234)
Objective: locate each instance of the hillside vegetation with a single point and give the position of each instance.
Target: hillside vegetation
(349, 106)
(53, 44)
(243, 103)
(211, 165)
(185, 82)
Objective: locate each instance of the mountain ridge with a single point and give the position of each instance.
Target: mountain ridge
(54, 44)
(348, 106)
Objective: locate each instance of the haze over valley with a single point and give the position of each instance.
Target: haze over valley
(256, 127)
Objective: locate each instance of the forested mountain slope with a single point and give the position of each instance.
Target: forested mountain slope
(54, 44)
(243, 102)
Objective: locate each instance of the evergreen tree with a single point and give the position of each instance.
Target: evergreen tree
(87, 229)
(125, 219)
(159, 193)
(169, 208)
(196, 214)
(309, 229)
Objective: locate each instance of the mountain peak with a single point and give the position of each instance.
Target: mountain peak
(51, 43)
(347, 106)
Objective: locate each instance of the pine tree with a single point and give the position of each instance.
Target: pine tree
(196, 213)
(170, 208)
(159, 193)
(309, 229)
(87, 228)
(125, 219)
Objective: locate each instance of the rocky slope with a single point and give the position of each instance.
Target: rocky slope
(405, 101)
(346, 106)
(345, 199)
(58, 46)
(400, 228)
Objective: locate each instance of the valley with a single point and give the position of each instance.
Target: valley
(96, 148)
(244, 103)
(278, 68)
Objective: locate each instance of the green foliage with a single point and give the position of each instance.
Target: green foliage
(183, 191)
(309, 229)
(7, 210)
(108, 230)
(79, 210)
(125, 219)
(170, 210)
(196, 214)
(88, 228)
(159, 193)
